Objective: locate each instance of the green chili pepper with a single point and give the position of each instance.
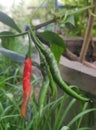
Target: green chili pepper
(47, 81)
(54, 69)
(51, 83)
(43, 93)
(45, 84)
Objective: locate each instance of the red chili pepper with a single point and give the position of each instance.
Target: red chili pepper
(26, 86)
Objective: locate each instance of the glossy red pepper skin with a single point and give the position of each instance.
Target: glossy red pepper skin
(26, 86)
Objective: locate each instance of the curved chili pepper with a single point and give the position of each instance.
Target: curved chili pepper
(45, 84)
(26, 86)
(54, 69)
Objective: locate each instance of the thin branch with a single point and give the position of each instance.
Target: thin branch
(15, 35)
(60, 6)
(44, 24)
(49, 22)
(57, 18)
(26, 32)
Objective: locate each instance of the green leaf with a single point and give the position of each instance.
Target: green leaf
(80, 115)
(57, 51)
(4, 18)
(70, 19)
(7, 42)
(57, 44)
(65, 128)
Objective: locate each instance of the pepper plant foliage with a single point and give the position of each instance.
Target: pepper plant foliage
(57, 44)
(4, 18)
(50, 110)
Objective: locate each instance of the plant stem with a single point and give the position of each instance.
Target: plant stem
(49, 22)
(56, 18)
(15, 35)
(30, 47)
(26, 32)
(44, 24)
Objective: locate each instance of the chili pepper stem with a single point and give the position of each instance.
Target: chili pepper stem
(28, 55)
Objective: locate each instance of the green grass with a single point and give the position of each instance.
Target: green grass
(55, 113)
(53, 117)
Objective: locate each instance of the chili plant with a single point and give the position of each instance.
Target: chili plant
(50, 110)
